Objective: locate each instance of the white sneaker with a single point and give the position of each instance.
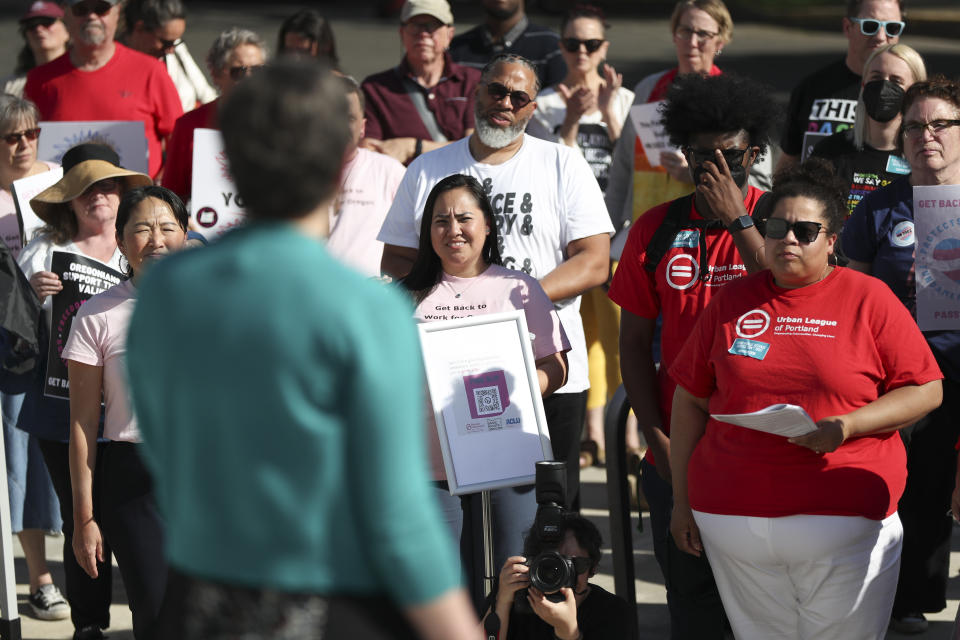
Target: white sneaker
(47, 603)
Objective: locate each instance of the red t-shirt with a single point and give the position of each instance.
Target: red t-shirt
(178, 171)
(830, 347)
(131, 86)
(676, 290)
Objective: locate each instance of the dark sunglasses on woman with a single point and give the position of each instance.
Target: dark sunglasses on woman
(573, 44)
(777, 228)
(29, 134)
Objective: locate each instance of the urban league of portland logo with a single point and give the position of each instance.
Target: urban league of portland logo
(753, 323)
(682, 271)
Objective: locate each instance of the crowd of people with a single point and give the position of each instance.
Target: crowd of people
(244, 426)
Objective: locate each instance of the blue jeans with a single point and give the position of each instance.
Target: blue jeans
(696, 612)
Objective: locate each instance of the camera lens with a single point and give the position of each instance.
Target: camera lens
(550, 572)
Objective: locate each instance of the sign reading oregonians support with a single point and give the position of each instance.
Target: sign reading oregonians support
(82, 279)
(936, 212)
(215, 205)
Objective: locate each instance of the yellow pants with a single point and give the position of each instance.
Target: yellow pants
(601, 327)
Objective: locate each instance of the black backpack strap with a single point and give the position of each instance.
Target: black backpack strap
(678, 217)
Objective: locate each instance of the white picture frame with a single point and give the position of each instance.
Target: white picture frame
(483, 385)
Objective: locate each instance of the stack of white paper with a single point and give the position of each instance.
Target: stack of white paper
(787, 420)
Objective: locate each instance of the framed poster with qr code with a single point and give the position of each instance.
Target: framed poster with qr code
(486, 400)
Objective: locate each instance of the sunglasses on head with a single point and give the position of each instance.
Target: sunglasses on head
(29, 134)
(869, 26)
(240, 72)
(573, 44)
(803, 231)
(518, 99)
(731, 156)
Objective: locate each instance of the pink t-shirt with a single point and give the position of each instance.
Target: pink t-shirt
(495, 290)
(98, 337)
(369, 184)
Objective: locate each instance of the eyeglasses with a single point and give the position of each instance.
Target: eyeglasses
(100, 7)
(686, 33)
(240, 72)
(518, 99)
(33, 23)
(573, 44)
(777, 228)
(581, 564)
(29, 134)
(936, 127)
(107, 185)
(169, 44)
(869, 26)
(731, 156)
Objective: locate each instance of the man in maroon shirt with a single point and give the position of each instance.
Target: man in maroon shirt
(427, 100)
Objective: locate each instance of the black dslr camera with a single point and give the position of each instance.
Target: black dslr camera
(549, 570)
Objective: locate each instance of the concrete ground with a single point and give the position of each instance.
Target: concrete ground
(651, 597)
(773, 51)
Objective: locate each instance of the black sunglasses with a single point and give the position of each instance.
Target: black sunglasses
(497, 91)
(731, 156)
(29, 134)
(869, 26)
(573, 44)
(33, 23)
(169, 44)
(777, 228)
(101, 8)
(240, 72)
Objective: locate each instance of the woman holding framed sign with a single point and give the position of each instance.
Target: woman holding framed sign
(458, 274)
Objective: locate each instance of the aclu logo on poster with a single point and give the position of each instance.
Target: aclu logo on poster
(937, 256)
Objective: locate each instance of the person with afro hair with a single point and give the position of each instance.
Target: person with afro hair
(677, 256)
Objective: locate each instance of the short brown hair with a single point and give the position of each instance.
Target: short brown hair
(853, 8)
(938, 86)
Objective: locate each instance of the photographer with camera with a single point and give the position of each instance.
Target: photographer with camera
(547, 594)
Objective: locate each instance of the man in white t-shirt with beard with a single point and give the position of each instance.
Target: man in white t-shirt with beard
(551, 221)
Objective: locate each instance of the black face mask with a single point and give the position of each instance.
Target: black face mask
(882, 99)
(738, 172)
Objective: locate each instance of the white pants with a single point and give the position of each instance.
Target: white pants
(803, 576)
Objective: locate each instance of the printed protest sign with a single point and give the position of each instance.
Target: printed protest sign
(23, 190)
(82, 279)
(125, 137)
(486, 400)
(214, 203)
(653, 137)
(936, 213)
(810, 140)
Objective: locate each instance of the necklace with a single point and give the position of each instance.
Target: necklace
(473, 281)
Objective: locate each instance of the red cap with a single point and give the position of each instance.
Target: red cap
(43, 9)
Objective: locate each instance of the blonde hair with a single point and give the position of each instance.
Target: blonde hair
(913, 61)
(713, 8)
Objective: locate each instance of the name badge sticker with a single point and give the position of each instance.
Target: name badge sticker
(896, 164)
(750, 348)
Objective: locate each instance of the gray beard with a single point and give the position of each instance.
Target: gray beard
(93, 34)
(495, 137)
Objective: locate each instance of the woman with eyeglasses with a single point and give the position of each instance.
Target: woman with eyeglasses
(234, 55)
(80, 212)
(45, 38)
(802, 532)
(879, 238)
(33, 503)
(866, 155)
(151, 222)
(586, 111)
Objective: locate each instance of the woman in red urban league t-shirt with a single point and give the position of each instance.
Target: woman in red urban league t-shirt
(802, 532)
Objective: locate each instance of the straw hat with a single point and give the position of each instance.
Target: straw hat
(83, 165)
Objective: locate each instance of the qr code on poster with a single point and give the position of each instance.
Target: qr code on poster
(487, 400)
